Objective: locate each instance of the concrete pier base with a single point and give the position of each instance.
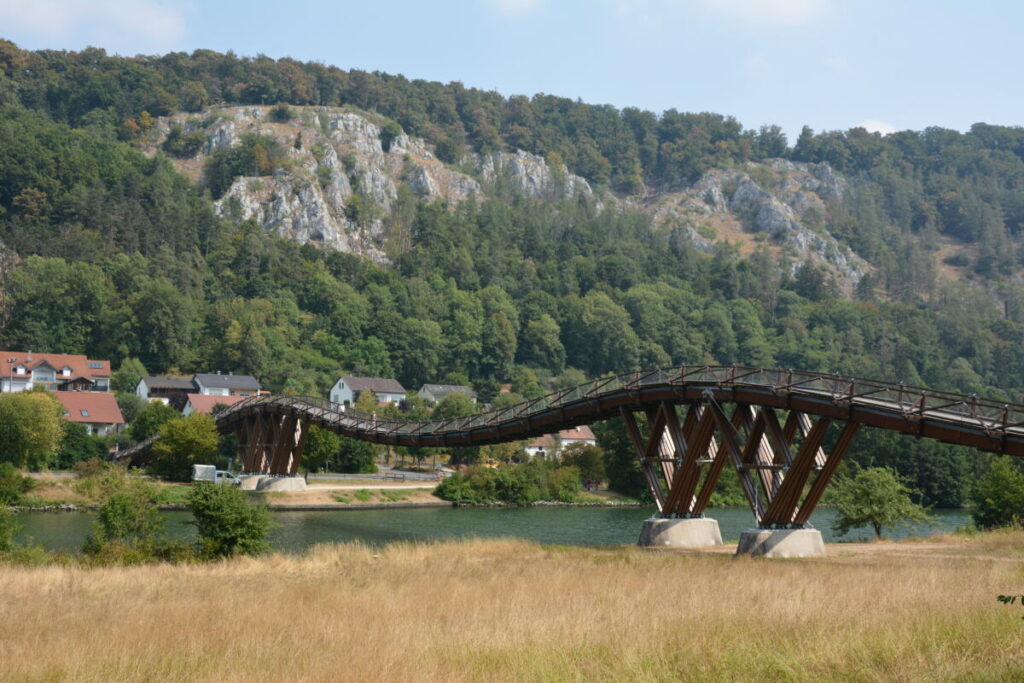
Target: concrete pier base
(781, 543)
(680, 533)
(250, 482)
(281, 483)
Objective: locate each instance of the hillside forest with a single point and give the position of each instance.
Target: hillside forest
(114, 254)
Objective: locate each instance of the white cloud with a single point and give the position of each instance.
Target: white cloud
(125, 26)
(877, 126)
(509, 7)
(756, 62)
(769, 12)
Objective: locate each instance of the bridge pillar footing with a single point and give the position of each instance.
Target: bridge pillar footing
(781, 543)
(250, 481)
(272, 482)
(680, 533)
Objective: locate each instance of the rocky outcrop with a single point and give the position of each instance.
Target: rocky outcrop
(343, 172)
(779, 203)
(342, 177)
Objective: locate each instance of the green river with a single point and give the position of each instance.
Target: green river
(297, 531)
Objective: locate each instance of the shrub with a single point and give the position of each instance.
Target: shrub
(13, 485)
(129, 529)
(183, 145)
(18, 553)
(184, 442)
(227, 524)
(874, 497)
(998, 496)
(520, 485)
(281, 113)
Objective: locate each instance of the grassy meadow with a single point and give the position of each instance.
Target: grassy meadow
(512, 610)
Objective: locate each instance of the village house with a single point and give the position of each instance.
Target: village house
(226, 385)
(347, 389)
(97, 411)
(56, 372)
(172, 391)
(552, 445)
(436, 392)
(205, 403)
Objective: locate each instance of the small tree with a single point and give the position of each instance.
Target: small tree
(998, 497)
(874, 497)
(227, 524)
(366, 402)
(183, 442)
(128, 526)
(13, 485)
(150, 419)
(30, 428)
(589, 459)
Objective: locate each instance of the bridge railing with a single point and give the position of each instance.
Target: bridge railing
(908, 400)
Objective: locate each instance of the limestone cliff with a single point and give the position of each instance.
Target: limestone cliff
(344, 171)
(782, 205)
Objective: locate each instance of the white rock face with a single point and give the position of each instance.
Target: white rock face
(780, 199)
(335, 154)
(338, 187)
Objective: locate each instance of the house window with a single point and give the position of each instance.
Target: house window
(94, 365)
(66, 372)
(84, 412)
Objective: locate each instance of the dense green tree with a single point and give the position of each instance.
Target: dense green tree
(183, 442)
(150, 419)
(30, 429)
(873, 497)
(998, 496)
(226, 523)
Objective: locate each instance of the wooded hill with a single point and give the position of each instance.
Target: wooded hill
(116, 255)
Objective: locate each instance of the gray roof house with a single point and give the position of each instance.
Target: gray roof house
(436, 392)
(348, 388)
(226, 385)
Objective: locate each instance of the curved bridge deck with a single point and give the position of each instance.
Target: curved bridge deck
(775, 438)
(953, 418)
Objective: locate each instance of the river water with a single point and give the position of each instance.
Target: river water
(296, 531)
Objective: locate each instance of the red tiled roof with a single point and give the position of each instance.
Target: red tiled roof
(203, 403)
(79, 364)
(101, 408)
(580, 433)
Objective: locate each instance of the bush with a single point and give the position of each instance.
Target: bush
(998, 496)
(874, 497)
(281, 113)
(17, 553)
(183, 442)
(130, 530)
(519, 485)
(183, 145)
(13, 485)
(228, 525)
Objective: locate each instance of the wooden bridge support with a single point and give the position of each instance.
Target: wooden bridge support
(782, 467)
(271, 444)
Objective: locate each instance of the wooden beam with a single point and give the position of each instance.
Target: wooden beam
(300, 448)
(283, 447)
(825, 475)
(684, 485)
(783, 505)
(732, 447)
(639, 447)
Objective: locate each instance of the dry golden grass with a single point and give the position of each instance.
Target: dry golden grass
(510, 610)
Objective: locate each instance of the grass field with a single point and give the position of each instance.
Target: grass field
(510, 610)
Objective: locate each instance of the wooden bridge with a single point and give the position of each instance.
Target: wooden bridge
(784, 432)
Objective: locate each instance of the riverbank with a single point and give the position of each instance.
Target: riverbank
(506, 609)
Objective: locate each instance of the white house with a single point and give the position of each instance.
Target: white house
(552, 445)
(436, 392)
(226, 385)
(163, 388)
(347, 389)
(23, 370)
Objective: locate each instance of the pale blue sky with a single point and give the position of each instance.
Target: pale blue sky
(830, 64)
